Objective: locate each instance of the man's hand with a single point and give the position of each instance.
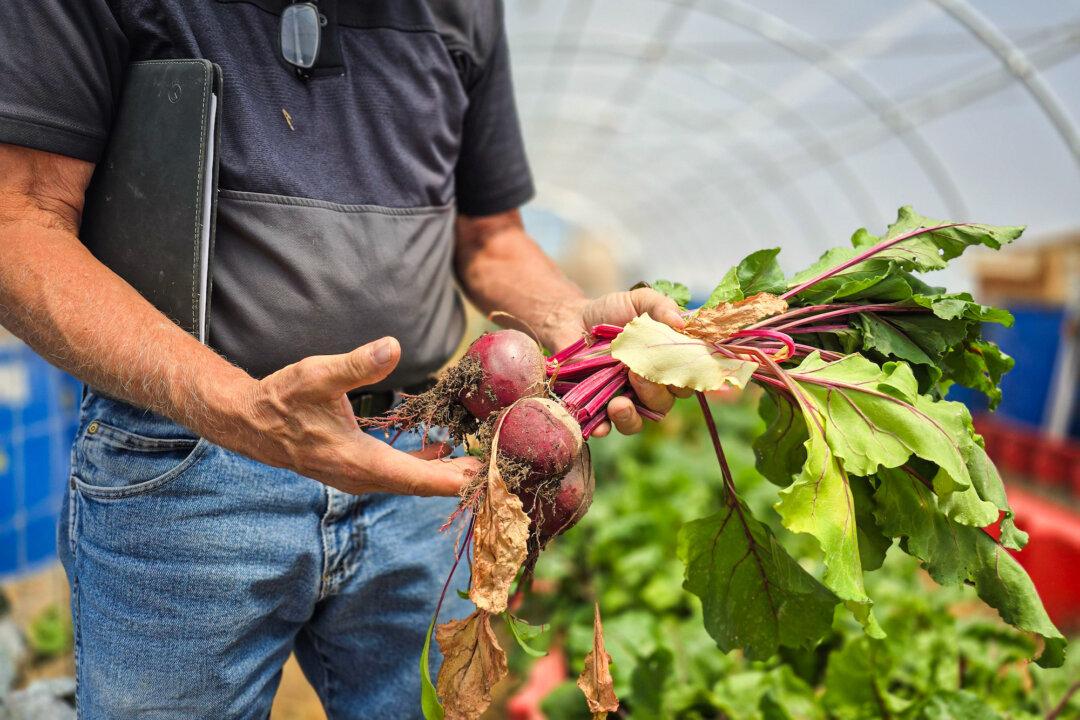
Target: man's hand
(301, 419)
(618, 309)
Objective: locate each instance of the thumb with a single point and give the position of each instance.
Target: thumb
(366, 365)
(659, 306)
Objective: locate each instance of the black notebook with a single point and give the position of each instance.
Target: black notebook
(150, 208)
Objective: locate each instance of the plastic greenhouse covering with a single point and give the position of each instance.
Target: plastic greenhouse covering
(690, 133)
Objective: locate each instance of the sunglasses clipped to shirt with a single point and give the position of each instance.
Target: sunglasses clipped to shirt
(301, 36)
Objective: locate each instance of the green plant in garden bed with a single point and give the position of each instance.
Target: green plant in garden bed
(944, 655)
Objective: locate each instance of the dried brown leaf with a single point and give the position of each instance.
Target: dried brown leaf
(473, 662)
(726, 319)
(500, 539)
(595, 680)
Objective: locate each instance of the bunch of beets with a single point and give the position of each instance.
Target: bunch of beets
(543, 409)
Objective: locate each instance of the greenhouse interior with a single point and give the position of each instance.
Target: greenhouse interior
(819, 380)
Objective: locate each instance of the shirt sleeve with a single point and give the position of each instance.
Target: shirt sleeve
(63, 65)
(492, 173)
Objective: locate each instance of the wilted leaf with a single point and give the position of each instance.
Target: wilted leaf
(472, 663)
(663, 355)
(595, 680)
(721, 322)
(500, 540)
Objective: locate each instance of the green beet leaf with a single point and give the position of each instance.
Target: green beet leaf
(779, 451)
(674, 290)
(874, 417)
(961, 306)
(953, 553)
(754, 595)
(429, 699)
(987, 481)
(757, 272)
(873, 544)
(819, 503)
(882, 275)
(934, 249)
(858, 282)
(728, 290)
(979, 365)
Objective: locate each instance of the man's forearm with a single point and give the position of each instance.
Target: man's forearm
(501, 268)
(83, 318)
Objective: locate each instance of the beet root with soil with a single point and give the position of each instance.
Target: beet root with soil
(498, 369)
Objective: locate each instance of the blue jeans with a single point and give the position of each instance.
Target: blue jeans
(196, 571)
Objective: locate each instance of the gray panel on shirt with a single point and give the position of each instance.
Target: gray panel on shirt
(295, 277)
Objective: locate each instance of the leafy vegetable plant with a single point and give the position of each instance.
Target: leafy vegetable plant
(855, 355)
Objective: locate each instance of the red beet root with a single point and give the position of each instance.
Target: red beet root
(556, 508)
(539, 435)
(513, 368)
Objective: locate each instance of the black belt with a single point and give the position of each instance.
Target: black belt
(369, 404)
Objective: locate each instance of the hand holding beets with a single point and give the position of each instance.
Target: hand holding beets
(300, 418)
(618, 309)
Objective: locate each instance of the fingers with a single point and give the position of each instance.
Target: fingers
(655, 397)
(660, 307)
(621, 307)
(366, 365)
(393, 471)
(624, 417)
(433, 451)
(601, 430)
(680, 392)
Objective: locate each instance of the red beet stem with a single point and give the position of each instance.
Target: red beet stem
(591, 385)
(582, 367)
(810, 329)
(770, 335)
(600, 400)
(605, 330)
(568, 351)
(643, 411)
(561, 387)
(593, 423)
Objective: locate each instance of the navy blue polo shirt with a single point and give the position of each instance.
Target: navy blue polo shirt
(338, 192)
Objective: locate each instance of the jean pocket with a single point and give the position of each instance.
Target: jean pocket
(116, 463)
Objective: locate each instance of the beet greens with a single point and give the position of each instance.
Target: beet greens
(854, 357)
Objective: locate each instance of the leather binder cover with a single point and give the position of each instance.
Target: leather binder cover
(143, 216)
